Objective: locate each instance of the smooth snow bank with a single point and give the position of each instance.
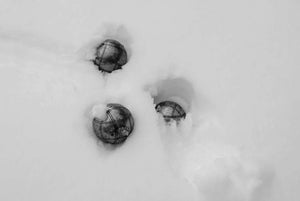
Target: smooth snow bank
(239, 141)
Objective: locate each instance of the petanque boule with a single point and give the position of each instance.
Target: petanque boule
(115, 126)
(110, 56)
(170, 111)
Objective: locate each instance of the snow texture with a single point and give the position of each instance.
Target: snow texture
(232, 65)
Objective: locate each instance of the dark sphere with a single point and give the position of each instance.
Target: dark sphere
(110, 55)
(170, 111)
(117, 125)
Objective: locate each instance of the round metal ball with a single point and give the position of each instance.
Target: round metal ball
(170, 111)
(110, 55)
(116, 126)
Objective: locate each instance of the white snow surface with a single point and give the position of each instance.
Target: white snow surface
(233, 65)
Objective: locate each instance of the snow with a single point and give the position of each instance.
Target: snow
(232, 65)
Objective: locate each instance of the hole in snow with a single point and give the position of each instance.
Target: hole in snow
(178, 90)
